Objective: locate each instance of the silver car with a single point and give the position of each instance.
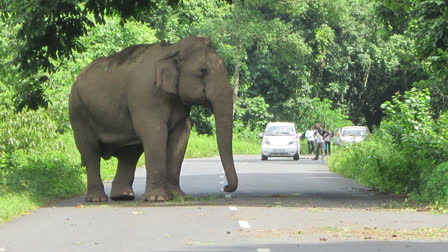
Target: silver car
(280, 139)
(353, 134)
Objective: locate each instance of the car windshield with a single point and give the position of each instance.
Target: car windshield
(353, 132)
(279, 130)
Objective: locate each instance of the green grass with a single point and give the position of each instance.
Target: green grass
(15, 204)
(206, 146)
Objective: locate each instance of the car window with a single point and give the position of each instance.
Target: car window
(354, 132)
(279, 130)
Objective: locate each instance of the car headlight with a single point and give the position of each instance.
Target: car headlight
(266, 141)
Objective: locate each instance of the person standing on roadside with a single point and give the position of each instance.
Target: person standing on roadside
(327, 140)
(319, 136)
(309, 135)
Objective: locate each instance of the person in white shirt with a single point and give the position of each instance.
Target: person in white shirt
(309, 135)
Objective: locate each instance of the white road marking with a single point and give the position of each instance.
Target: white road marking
(232, 208)
(221, 182)
(228, 196)
(244, 224)
(263, 250)
(222, 176)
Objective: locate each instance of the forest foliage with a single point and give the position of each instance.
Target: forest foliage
(336, 62)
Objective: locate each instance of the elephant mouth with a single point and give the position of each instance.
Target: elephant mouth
(203, 102)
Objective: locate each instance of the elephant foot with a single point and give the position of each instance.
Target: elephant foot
(121, 193)
(98, 196)
(175, 191)
(156, 195)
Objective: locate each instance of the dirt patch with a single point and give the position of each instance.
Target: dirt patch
(324, 234)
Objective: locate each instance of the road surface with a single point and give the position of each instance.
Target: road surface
(280, 205)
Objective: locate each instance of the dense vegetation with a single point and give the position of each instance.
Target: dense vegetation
(337, 62)
(405, 155)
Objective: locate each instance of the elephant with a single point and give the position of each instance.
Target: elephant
(138, 101)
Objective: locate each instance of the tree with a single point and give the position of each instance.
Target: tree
(426, 23)
(49, 32)
(242, 32)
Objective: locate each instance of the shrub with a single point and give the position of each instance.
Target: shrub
(34, 158)
(435, 186)
(407, 154)
(409, 121)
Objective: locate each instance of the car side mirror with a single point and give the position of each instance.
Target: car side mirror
(261, 135)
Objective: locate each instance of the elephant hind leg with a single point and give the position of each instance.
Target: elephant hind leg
(90, 156)
(90, 150)
(124, 178)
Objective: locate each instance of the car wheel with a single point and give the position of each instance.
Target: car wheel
(263, 157)
(296, 156)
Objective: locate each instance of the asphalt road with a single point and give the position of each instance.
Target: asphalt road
(280, 205)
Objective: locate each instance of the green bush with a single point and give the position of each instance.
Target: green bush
(435, 188)
(409, 121)
(407, 154)
(46, 174)
(379, 163)
(35, 159)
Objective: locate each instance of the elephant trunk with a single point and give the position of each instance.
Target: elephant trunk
(223, 111)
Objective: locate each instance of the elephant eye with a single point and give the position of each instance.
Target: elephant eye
(204, 71)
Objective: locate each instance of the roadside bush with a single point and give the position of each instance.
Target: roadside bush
(435, 187)
(378, 163)
(46, 173)
(35, 159)
(409, 121)
(407, 154)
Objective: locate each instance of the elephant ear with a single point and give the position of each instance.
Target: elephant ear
(166, 74)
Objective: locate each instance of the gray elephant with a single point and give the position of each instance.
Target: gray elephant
(138, 100)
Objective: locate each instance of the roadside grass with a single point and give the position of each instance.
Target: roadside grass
(31, 178)
(380, 163)
(15, 204)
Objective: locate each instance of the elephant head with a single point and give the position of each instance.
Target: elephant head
(192, 70)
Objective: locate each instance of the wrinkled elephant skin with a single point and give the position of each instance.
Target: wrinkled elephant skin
(138, 101)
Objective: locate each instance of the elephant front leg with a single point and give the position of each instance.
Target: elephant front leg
(154, 144)
(177, 145)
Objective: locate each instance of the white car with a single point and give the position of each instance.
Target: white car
(353, 134)
(280, 139)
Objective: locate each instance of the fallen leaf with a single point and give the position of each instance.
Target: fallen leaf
(138, 213)
(368, 238)
(394, 236)
(26, 213)
(323, 239)
(79, 205)
(228, 232)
